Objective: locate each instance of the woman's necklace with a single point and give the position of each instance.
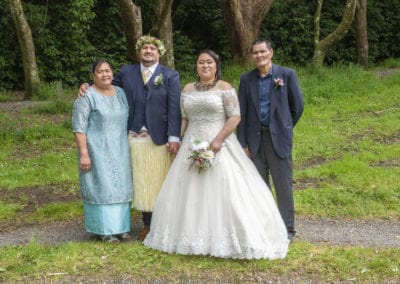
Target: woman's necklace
(205, 87)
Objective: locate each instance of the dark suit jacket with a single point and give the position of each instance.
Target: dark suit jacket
(286, 109)
(163, 114)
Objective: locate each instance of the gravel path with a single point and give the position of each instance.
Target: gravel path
(328, 231)
(350, 233)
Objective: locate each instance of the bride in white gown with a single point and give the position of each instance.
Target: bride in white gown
(225, 210)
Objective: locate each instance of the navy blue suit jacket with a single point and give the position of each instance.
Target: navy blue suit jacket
(163, 114)
(286, 108)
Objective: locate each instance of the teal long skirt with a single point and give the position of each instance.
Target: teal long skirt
(107, 219)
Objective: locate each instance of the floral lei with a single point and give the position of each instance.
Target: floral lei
(147, 39)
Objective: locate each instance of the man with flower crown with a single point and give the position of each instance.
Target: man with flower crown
(154, 124)
(271, 103)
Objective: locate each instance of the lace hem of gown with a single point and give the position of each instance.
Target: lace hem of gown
(227, 245)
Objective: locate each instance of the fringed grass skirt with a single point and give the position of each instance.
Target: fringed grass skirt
(150, 165)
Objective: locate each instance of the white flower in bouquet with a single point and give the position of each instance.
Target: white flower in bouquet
(201, 155)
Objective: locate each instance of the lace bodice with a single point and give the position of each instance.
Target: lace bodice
(207, 112)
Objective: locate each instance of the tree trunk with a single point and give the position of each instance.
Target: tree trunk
(163, 30)
(24, 35)
(132, 22)
(361, 33)
(244, 19)
(322, 46)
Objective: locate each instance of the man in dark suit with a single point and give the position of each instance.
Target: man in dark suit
(271, 103)
(153, 93)
(154, 124)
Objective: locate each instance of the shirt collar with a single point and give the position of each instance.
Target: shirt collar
(268, 75)
(152, 68)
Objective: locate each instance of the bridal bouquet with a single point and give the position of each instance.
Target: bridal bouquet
(201, 155)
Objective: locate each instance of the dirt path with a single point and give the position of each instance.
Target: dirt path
(343, 233)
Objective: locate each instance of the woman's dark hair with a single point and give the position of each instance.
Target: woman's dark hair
(214, 56)
(97, 63)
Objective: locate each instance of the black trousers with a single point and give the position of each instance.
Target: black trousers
(269, 164)
(147, 218)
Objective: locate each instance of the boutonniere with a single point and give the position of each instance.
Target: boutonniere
(158, 81)
(278, 83)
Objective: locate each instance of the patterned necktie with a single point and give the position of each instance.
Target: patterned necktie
(146, 75)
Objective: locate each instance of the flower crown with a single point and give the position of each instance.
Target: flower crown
(147, 39)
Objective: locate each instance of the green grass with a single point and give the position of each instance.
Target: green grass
(57, 212)
(346, 153)
(8, 210)
(348, 139)
(31, 169)
(37, 146)
(134, 261)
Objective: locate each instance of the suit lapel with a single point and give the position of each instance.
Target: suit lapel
(275, 92)
(254, 90)
(137, 76)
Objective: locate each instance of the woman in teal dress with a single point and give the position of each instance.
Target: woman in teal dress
(99, 123)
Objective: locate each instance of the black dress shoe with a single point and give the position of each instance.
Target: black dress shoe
(143, 233)
(291, 235)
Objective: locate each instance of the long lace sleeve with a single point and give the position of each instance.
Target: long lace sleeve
(80, 114)
(231, 103)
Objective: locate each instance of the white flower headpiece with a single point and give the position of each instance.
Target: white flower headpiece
(147, 39)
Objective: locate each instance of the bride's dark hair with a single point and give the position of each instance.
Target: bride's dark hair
(214, 56)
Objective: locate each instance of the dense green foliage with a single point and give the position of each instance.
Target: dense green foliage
(11, 74)
(383, 33)
(69, 35)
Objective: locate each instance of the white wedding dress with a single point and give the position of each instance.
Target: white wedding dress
(226, 210)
